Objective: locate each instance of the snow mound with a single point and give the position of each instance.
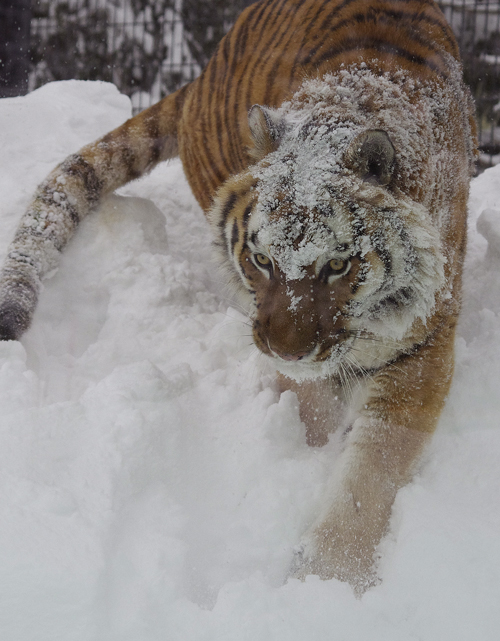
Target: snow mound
(152, 482)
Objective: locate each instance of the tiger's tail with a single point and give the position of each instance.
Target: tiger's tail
(71, 191)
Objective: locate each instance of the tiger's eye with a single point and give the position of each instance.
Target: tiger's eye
(263, 260)
(336, 264)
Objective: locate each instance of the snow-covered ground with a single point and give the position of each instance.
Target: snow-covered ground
(152, 481)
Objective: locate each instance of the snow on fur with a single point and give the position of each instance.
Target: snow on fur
(308, 173)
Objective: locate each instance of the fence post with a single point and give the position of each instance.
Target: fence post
(15, 17)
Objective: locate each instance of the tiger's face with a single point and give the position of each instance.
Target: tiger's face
(304, 276)
(336, 263)
(331, 289)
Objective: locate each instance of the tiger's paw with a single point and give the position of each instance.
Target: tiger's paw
(313, 557)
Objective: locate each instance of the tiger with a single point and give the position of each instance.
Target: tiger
(330, 144)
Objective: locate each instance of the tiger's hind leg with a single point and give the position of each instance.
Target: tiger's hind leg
(69, 193)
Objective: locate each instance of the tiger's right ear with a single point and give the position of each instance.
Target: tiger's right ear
(267, 129)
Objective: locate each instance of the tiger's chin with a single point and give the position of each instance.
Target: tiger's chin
(338, 364)
(300, 372)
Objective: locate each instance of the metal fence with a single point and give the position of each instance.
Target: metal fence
(141, 48)
(476, 24)
(149, 48)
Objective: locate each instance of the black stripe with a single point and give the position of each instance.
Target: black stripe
(46, 196)
(398, 19)
(152, 126)
(200, 85)
(76, 165)
(156, 149)
(221, 96)
(386, 259)
(359, 226)
(418, 346)
(211, 165)
(234, 235)
(324, 28)
(246, 218)
(228, 205)
(127, 150)
(396, 223)
(401, 19)
(360, 277)
(355, 286)
(230, 66)
(246, 214)
(232, 93)
(210, 111)
(268, 45)
(264, 6)
(382, 46)
(253, 17)
(275, 9)
(310, 26)
(219, 123)
(278, 45)
(234, 90)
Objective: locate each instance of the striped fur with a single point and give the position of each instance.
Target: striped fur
(330, 143)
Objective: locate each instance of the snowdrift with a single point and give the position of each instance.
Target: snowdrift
(153, 483)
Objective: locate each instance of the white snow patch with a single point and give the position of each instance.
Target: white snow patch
(153, 484)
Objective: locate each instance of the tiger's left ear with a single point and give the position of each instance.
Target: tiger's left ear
(267, 129)
(372, 156)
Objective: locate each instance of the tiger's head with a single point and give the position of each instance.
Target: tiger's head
(335, 260)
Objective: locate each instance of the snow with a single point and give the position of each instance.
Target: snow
(153, 484)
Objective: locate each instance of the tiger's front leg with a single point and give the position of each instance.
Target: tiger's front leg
(396, 421)
(322, 406)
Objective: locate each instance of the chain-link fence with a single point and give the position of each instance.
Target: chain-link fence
(476, 24)
(149, 48)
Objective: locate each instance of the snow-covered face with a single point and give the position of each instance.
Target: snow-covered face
(340, 286)
(304, 269)
(334, 287)
(337, 264)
